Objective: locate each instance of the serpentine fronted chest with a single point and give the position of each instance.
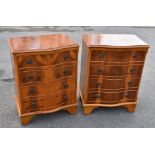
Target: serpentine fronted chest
(45, 71)
(111, 70)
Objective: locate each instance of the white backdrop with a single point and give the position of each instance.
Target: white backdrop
(77, 13)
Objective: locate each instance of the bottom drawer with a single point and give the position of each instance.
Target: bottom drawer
(49, 102)
(111, 97)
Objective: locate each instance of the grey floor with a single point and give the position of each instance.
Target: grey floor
(144, 116)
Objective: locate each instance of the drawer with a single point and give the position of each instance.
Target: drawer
(48, 74)
(60, 99)
(135, 70)
(114, 70)
(110, 56)
(138, 56)
(133, 82)
(62, 56)
(106, 83)
(32, 105)
(61, 72)
(37, 60)
(49, 102)
(48, 88)
(32, 76)
(110, 97)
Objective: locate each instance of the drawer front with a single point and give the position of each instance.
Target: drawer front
(53, 58)
(48, 88)
(105, 83)
(31, 60)
(133, 82)
(113, 70)
(32, 76)
(138, 55)
(108, 70)
(100, 96)
(32, 105)
(49, 102)
(117, 56)
(110, 97)
(49, 74)
(135, 70)
(61, 57)
(110, 56)
(60, 99)
(65, 71)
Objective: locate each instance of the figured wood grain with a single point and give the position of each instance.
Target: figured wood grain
(114, 41)
(48, 74)
(88, 108)
(46, 58)
(45, 71)
(40, 43)
(46, 88)
(47, 102)
(114, 69)
(103, 83)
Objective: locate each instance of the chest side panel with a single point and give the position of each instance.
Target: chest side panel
(84, 70)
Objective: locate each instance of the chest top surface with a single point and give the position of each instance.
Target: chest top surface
(40, 43)
(113, 40)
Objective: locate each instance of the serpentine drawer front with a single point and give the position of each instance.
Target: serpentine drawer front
(111, 70)
(45, 71)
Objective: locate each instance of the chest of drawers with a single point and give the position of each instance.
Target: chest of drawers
(111, 70)
(45, 72)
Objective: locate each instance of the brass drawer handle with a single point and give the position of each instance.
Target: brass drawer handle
(130, 83)
(24, 80)
(32, 90)
(29, 61)
(66, 56)
(30, 77)
(132, 70)
(97, 96)
(127, 95)
(33, 104)
(98, 84)
(65, 72)
(65, 85)
(101, 55)
(99, 71)
(65, 98)
(135, 55)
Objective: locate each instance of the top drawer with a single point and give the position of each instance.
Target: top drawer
(117, 56)
(53, 58)
(138, 55)
(31, 60)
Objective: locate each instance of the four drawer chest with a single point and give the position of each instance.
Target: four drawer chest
(45, 72)
(111, 70)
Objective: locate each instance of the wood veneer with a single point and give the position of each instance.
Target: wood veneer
(45, 71)
(111, 70)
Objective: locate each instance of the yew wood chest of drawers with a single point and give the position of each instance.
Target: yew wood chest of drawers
(45, 71)
(111, 70)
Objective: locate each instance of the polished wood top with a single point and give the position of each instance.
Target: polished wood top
(40, 43)
(113, 40)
